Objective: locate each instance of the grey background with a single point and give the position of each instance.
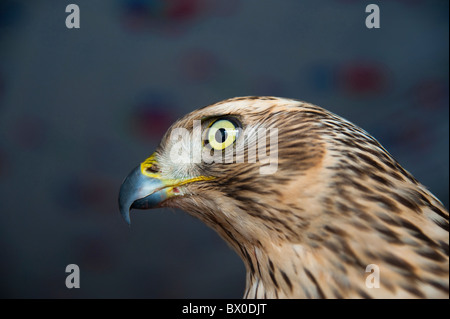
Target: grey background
(80, 108)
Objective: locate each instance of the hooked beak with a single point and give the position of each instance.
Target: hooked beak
(140, 192)
(145, 188)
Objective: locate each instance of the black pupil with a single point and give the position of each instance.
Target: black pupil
(221, 135)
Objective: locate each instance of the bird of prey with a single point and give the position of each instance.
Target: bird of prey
(313, 204)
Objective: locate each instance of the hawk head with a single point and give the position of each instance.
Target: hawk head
(307, 199)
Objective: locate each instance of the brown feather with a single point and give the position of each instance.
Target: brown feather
(337, 203)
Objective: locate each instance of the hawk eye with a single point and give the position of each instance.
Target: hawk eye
(222, 133)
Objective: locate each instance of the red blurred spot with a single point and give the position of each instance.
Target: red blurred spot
(168, 17)
(152, 122)
(362, 79)
(183, 9)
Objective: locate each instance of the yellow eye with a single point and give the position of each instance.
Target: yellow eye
(222, 134)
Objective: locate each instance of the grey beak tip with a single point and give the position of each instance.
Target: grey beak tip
(127, 218)
(125, 212)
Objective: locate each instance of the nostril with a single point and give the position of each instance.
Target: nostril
(152, 169)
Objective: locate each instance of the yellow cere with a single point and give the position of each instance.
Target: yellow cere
(170, 183)
(147, 164)
(215, 137)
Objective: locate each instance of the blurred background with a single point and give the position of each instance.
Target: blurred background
(79, 108)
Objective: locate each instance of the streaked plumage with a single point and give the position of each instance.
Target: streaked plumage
(337, 203)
